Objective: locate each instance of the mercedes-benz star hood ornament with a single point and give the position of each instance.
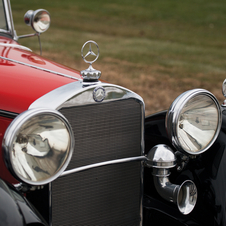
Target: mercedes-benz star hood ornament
(90, 74)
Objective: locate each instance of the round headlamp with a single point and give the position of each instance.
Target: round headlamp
(39, 19)
(38, 146)
(193, 121)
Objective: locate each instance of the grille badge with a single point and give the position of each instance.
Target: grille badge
(99, 94)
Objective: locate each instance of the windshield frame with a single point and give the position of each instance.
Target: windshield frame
(9, 20)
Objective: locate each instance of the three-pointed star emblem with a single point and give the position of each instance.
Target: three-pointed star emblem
(90, 52)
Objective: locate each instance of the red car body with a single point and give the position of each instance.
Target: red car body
(26, 82)
(22, 84)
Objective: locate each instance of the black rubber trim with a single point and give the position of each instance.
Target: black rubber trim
(6, 35)
(8, 114)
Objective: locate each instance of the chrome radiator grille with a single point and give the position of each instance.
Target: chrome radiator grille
(108, 195)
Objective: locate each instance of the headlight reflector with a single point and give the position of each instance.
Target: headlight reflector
(193, 121)
(38, 146)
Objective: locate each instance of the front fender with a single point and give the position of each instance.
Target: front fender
(9, 211)
(15, 209)
(206, 170)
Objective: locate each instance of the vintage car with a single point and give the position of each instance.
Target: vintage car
(79, 151)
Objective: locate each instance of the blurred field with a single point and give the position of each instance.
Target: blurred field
(158, 49)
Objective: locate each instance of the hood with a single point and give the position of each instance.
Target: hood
(26, 76)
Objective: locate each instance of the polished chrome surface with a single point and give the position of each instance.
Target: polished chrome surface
(184, 195)
(27, 35)
(116, 161)
(193, 121)
(161, 156)
(50, 204)
(90, 73)
(38, 146)
(164, 187)
(224, 88)
(90, 52)
(99, 94)
(187, 197)
(40, 68)
(15, 46)
(62, 93)
(77, 94)
(3, 23)
(224, 92)
(32, 35)
(39, 20)
(18, 186)
(9, 19)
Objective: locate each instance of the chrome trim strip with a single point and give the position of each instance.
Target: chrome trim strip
(50, 205)
(82, 168)
(28, 35)
(40, 68)
(4, 31)
(76, 94)
(9, 19)
(62, 93)
(142, 165)
(142, 191)
(15, 46)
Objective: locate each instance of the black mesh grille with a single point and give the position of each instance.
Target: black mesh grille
(108, 195)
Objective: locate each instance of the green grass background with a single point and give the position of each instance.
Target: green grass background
(156, 48)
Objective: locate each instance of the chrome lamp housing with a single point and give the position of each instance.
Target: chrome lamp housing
(38, 146)
(39, 20)
(193, 121)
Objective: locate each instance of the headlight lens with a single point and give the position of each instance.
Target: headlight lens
(38, 146)
(41, 21)
(193, 121)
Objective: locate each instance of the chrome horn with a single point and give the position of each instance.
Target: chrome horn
(162, 158)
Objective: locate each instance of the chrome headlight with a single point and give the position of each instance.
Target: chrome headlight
(38, 146)
(193, 121)
(39, 19)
